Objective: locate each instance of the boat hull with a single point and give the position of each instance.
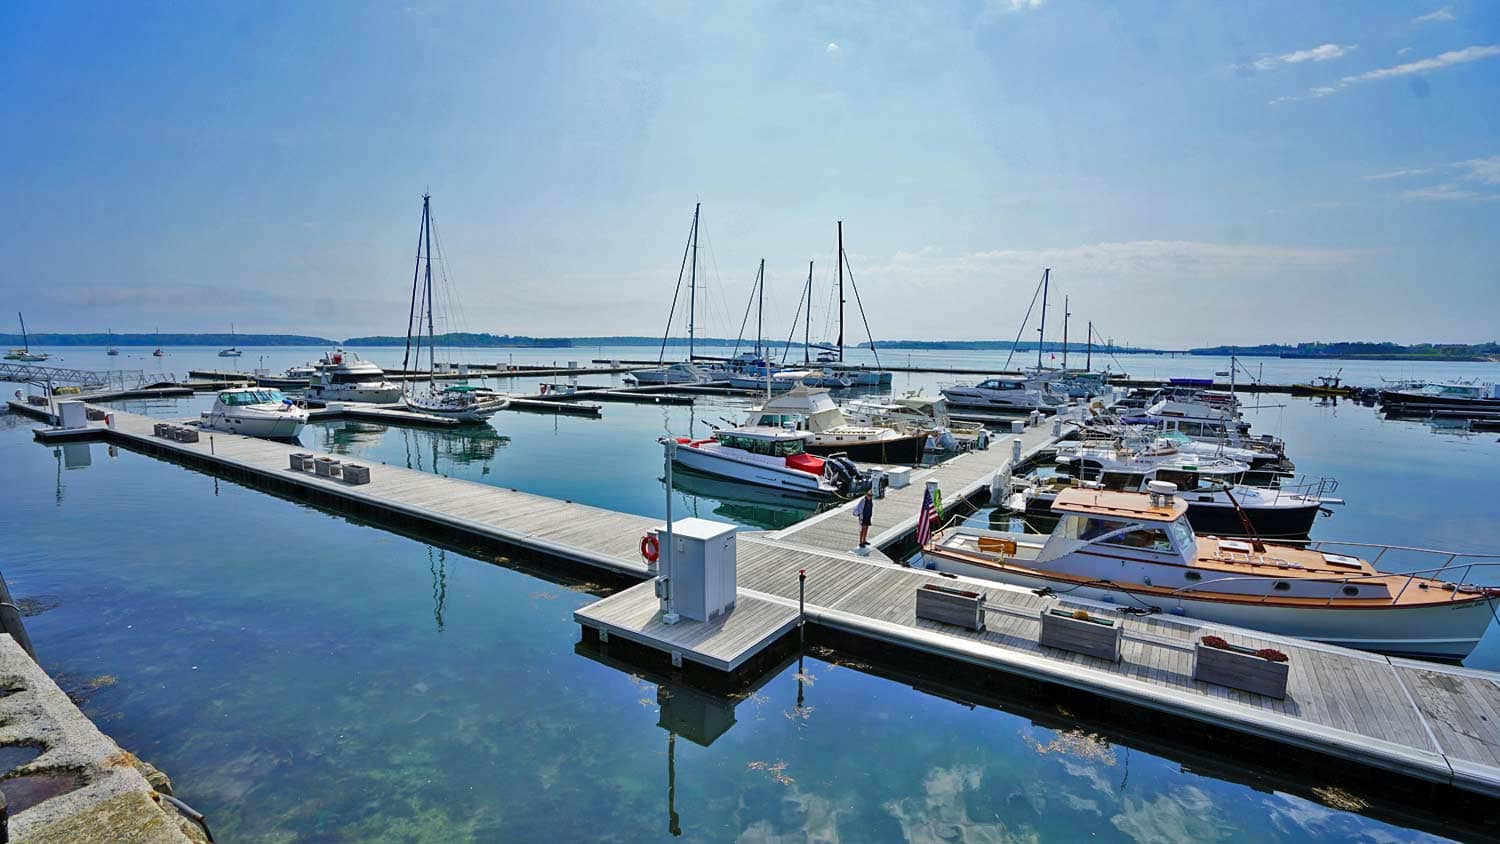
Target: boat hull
(373, 395)
(268, 429)
(1448, 631)
(712, 463)
(908, 449)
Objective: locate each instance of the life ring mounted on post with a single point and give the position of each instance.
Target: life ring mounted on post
(650, 548)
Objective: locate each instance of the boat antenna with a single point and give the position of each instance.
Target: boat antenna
(1019, 331)
(841, 291)
(844, 258)
(1041, 332)
(681, 270)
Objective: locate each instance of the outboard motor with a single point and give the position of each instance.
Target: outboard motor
(844, 475)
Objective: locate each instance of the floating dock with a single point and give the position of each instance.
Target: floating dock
(1431, 722)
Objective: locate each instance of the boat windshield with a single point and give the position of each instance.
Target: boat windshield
(245, 397)
(1118, 533)
(757, 445)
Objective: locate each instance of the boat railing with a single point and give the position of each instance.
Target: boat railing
(1452, 561)
(1305, 486)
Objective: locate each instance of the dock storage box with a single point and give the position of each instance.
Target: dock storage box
(356, 474)
(95, 414)
(185, 435)
(1240, 668)
(898, 477)
(701, 570)
(72, 414)
(951, 606)
(1090, 635)
(326, 466)
(301, 461)
(162, 429)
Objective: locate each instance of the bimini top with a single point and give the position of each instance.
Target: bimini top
(1126, 505)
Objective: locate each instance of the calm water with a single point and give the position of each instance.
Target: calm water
(304, 677)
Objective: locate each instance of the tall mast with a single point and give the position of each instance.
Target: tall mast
(693, 286)
(1066, 314)
(431, 332)
(411, 312)
(1042, 332)
(760, 305)
(840, 260)
(25, 340)
(807, 323)
(1088, 359)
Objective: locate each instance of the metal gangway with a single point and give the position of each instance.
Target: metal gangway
(88, 380)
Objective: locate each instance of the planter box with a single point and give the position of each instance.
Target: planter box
(356, 474)
(326, 466)
(1096, 636)
(1241, 669)
(951, 606)
(301, 461)
(185, 435)
(94, 414)
(162, 429)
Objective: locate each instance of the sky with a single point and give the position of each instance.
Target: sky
(1192, 173)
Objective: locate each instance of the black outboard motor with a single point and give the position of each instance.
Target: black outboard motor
(844, 475)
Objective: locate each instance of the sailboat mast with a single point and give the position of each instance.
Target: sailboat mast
(840, 260)
(431, 332)
(807, 323)
(1088, 357)
(1042, 332)
(411, 313)
(693, 287)
(760, 306)
(1066, 314)
(25, 339)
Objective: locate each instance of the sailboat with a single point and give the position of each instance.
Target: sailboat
(158, 353)
(25, 353)
(113, 352)
(833, 358)
(463, 402)
(680, 373)
(230, 352)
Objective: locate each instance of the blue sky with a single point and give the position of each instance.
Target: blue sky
(1192, 172)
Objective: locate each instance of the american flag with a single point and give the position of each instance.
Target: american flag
(926, 519)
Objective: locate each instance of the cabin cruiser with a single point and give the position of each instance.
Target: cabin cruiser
(785, 379)
(1205, 423)
(1016, 395)
(677, 373)
(914, 412)
(460, 401)
(813, 410)
(1139, 551)
(1216, 504)
(254, 412)
(771, 457)
(294, 378)
(1263, 460)
(858, 376)
(343, 376)
(1453, 395)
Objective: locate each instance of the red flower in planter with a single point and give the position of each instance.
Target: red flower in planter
(1271, 654)
(1214, 642)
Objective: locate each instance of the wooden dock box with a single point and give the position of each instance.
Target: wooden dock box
(185, 435)
(301, 461)
(1240, 668)
(162, 429)
(951, 606)
(326, 467)
(1091, 636)
(356, 474)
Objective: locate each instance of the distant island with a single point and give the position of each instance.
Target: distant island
(1005, 345)
(1448, 352)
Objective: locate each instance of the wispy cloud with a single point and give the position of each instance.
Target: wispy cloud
(1320, 53)
(1482, 170)
(1464, 183)
(1438, 62)
(1447, 192)
(832, 49)
(1442, 15)
(1403, 51)
(1022, 5)
(1401, 174)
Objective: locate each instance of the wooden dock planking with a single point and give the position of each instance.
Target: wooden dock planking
(724, 643)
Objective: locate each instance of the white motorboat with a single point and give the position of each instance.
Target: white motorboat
(770, 457)
(343, 376)
(813, 410)
(1138, 550)
(913, 412)
(676, 373)
(254, 412)
(461, 402)
(1014, 395)
(294, 378)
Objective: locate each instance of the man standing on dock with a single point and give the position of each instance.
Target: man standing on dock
(865, 511)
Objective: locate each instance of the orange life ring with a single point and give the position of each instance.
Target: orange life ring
(650, 548)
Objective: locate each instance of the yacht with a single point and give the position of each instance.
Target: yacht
(813, 410)
(1452, 395)
(1263, 459)
(343, 376)
(913, 412)
(255, 412)
(770, 457)
(1016, 395)
(294, 378)
(460, 401)
(1139, 550)
(676, 373)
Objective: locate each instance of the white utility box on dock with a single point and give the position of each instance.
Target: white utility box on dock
(700, 568)
(898, 477)
(72, 414)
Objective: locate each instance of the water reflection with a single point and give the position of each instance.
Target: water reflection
(423, 449)
(745, 504)
(437, 564)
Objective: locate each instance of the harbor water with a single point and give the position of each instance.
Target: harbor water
(307, 677)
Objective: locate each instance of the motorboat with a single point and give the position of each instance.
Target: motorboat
(785, 379)
(113, 351)
(1138, 550)
(1263, 458)
(772, 457)
(676, 373)
(814, 410)
(914, 412)
(255, 412)
(294, 378)
(1451, 395)
(1216, 504)
(344, 376)
(460, 401)
(1015, 395)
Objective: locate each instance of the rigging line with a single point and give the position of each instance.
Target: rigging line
(869, 335)
(796, 319)
(746, 321)
(681, 271)
(1035, 293)
(415, 274)
(719, 289)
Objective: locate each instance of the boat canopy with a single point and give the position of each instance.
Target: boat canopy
(1126, 505)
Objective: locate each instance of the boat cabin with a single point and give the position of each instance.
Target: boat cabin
(1002, 384)
(772, 442)
(249, 396)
